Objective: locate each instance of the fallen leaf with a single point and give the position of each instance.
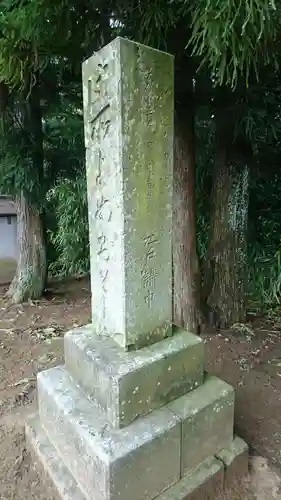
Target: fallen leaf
(275, 361)
(23, 381)
(243, 329)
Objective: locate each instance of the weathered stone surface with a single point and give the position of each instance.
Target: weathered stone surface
(204, 482)
(139, 461)
(235, 458)
(128, 116)
(49, 462)
(126, 385)
(207, 415)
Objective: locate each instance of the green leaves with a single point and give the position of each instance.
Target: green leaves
(231, 37)
(71, 237)
(21, 36)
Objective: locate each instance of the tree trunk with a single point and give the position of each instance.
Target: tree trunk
(31, 275)
(225, 268)
(30, 278)
(186, 276)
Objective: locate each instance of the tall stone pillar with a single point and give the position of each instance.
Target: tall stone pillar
(128, 117)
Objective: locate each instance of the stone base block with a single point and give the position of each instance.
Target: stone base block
(126, 385)
(235, 459)
(207, 416)
(204, 482)
(138, 462)
(49, 463)
(167, 454)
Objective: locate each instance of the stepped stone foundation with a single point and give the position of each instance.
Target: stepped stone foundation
(132, 415)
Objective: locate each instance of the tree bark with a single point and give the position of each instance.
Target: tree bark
(186, 275)
(225, 267)
(31, 275)
(30, 278)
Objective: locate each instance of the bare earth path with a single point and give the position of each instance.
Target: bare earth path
(31, 340)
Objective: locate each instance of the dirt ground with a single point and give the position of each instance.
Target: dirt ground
(31, 340)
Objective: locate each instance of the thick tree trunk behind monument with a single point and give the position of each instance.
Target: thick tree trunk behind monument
(30, 278)
(225, 269)
(186, 276)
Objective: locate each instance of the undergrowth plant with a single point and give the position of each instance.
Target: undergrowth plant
(68, 200)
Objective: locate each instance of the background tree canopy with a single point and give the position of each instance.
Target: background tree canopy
(227, 142)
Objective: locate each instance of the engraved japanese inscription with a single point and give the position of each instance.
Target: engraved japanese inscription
(98, 104)
(148, 272)
(128, 109)
(148, 122)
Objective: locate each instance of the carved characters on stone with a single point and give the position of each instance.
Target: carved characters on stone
(148, 272)
(103, 254)
(99, 126)
(98, 103)
(103, 211)
(99, 123)
(149, 180)
(98, 169)
(103, 249)
(95, 85)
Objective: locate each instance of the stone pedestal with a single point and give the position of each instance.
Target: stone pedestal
(126, 385)
(132, 415)
(172, 450)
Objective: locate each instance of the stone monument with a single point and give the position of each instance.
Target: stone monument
(132, 415)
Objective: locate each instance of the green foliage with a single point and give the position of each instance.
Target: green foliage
(264, 276)
(16, 168)
(231, 36)
(68, 200)
(264, 237)
(151, 22)
(63, 146)
(27, 29)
